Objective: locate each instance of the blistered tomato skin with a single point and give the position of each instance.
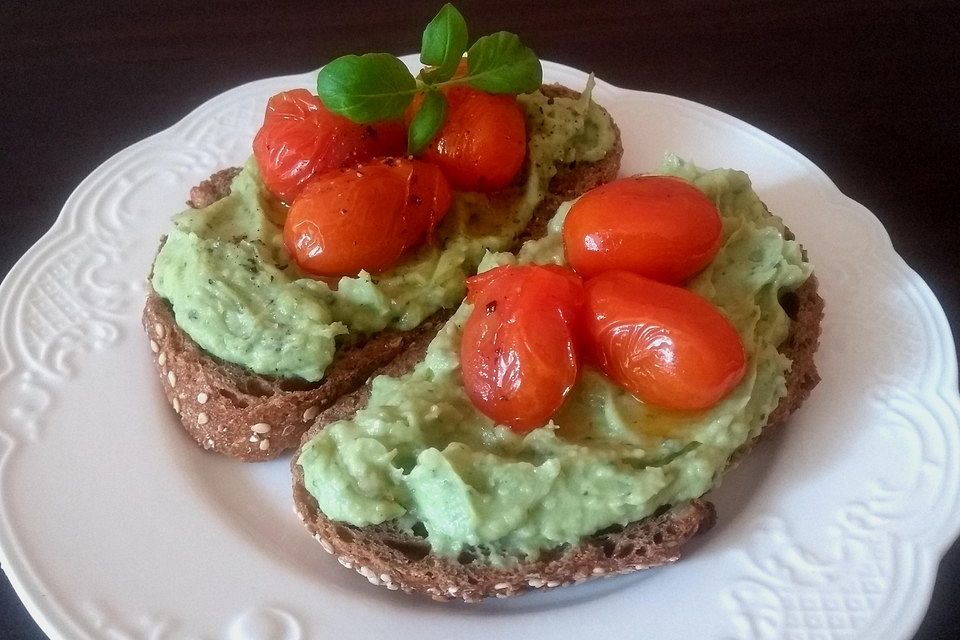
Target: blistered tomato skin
(365, 217)
(482, 143)
(660, 227)
(301, 139)
(518, 352)
(667, 346)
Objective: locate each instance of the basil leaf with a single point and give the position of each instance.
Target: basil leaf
(367, 88)
(443, 44)
(427, 122)
(500, 63)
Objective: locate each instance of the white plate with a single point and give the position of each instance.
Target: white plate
(114, 525)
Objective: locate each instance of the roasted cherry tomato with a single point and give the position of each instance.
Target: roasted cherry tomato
(667, 346)
(365, 217)
(518, 353)
(660, 227)
(482, 143)
(301, 139)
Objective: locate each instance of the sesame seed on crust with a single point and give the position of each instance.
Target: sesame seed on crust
(264, 444)
(310, 413)
(159, 330)
(202, 418)
(154, 346)
(162, 359)
(172, 378)
(202, 398)
(367, 573)
(260, 427)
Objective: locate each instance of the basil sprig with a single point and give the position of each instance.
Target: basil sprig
(378, 86)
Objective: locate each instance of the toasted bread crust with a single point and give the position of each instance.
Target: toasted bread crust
(398, 560)
(228, 409)
(213, 188)
(805, 308)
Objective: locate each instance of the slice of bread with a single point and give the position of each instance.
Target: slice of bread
(398, 560)
(228, 409)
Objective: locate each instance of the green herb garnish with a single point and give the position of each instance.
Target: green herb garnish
(444, 41)
(367, 88)
(427, 121)
(378, 86)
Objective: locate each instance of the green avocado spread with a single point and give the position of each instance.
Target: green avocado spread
(420, 455)
(237, 294)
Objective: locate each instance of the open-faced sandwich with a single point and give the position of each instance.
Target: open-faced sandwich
(349, 234)
(567, 420)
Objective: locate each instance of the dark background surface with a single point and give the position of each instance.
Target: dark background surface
(868, 90)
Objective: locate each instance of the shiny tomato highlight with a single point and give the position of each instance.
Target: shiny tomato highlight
(660, 227)
(365, 217)
(667, 346)
(300, 138)
(518, 352)
(483, 142)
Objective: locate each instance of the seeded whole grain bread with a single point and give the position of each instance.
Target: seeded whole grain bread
(228, 409)
(395, 559)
